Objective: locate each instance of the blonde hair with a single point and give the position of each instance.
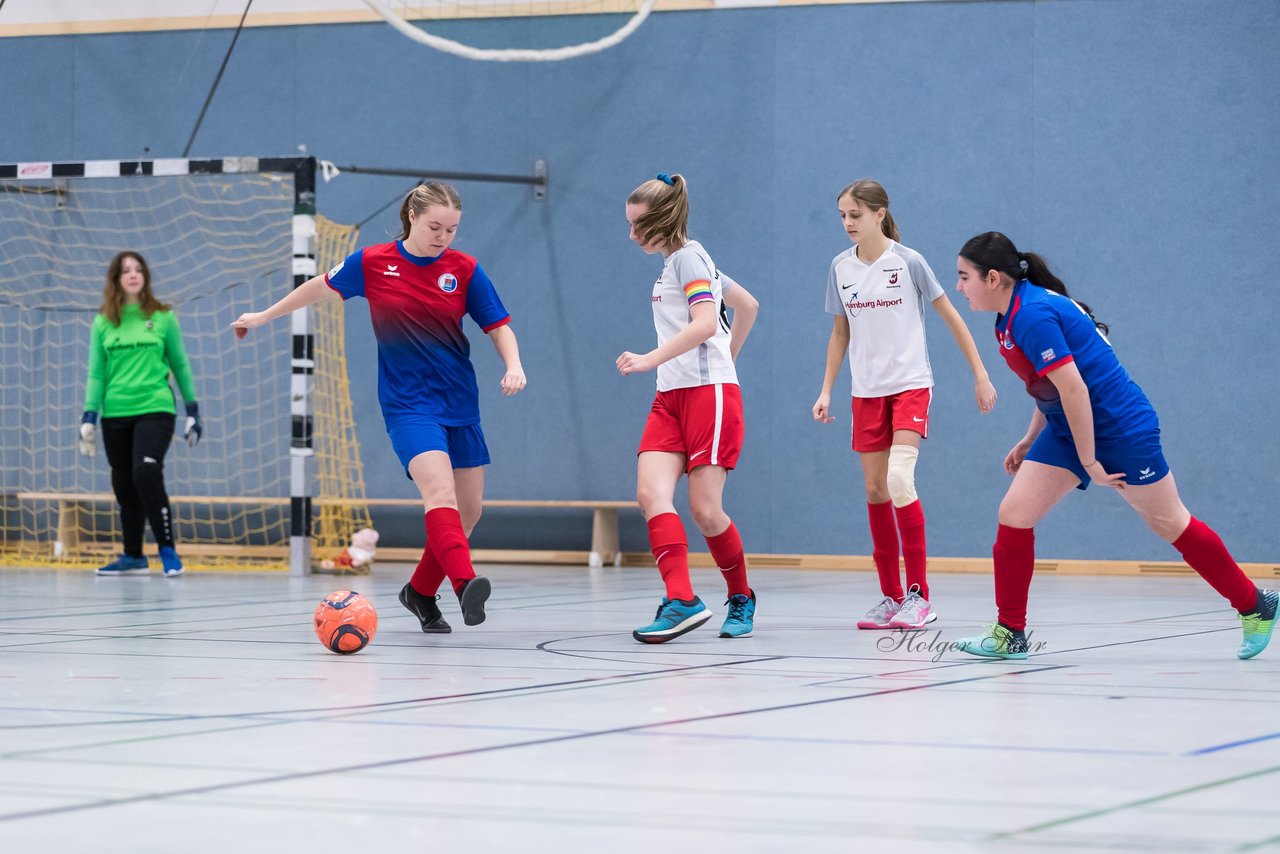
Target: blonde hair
(871, 195)
(424, 196)
(113, 296)
(667, 217)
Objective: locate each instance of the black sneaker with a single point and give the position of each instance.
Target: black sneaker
(426, 610)
(472, 598)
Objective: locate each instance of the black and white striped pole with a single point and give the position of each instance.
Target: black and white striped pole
(303, 366)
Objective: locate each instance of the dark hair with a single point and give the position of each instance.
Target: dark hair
(113, 294)
(994, 251)
(871, 195)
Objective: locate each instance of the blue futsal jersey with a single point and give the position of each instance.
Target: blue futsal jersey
(1044, 330)
(416, 305)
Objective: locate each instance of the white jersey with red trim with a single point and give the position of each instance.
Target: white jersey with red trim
(690, 277)
(884, 302)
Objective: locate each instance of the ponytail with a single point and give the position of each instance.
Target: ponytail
(667, 217)
(994, 251)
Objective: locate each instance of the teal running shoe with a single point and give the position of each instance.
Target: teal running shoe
(1259, 625)
(674, 618)
(998, 642)
(741, 618)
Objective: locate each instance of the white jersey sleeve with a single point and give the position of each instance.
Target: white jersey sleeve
(689, 277)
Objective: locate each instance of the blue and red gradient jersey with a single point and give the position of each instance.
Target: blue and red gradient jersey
(416, 305)
(1044, 330)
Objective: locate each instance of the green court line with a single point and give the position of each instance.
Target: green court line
(1271, 842)
(1059, 822)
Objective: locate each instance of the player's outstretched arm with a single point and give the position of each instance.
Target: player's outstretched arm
(745, 310)
(983, 391)
(837, 346)
(308, 293)
(504, 341)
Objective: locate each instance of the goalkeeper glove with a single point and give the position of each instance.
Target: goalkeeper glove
(88, 434)
(195, 427)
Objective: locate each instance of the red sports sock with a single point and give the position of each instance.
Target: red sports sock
(429, 573)
(1204, 552)
(671, 551)
(884, 548)
(726, 551)
(1014, 555)
(911, 529)
(448, 542)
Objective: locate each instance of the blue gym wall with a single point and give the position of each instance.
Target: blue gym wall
(1133, 143)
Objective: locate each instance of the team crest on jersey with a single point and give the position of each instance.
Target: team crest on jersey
(1006, 340)
(150, 325)
(893, 278)
(448, 283)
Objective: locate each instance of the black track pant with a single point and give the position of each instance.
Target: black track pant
(135, 449)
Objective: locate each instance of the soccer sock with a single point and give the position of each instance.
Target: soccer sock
(726, 551)
(911, 529)
(1204, 552)
(1014, 555)
(671, 551)
(884, 548)
(448, 542)
(429, 574)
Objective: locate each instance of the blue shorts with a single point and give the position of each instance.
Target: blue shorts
(464, 445)
(1139, 457)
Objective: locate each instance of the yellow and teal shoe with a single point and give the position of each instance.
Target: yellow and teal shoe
(998, 642)
(1259, 625)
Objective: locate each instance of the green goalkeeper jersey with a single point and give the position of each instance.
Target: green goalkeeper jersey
(129, 365)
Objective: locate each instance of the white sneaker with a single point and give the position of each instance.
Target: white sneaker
(879, 616)
(915, 612)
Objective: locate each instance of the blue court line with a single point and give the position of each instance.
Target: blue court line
(1230, 744)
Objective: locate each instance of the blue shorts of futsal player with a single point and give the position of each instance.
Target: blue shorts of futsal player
(464, 445)
(1139, 457)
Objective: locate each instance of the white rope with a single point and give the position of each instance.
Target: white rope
(511, 55)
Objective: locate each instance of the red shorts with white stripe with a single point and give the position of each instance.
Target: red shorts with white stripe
(876, 418)
(702, 422)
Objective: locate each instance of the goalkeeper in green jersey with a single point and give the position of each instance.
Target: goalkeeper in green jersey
(134, 347)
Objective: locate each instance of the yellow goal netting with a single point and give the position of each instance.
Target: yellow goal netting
(217, 244)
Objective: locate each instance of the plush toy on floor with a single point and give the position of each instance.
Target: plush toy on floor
(357, 558)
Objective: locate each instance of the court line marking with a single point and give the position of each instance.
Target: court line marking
(1072, 819)
(152, 797)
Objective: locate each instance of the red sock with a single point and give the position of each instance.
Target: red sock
(1204, 552)
(726, 551)
(911, 529)
(1014, 555)
(884, 548)
(671, 551)
(428, 575)
(448, 542)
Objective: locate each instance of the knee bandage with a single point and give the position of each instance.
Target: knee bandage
(902, 474)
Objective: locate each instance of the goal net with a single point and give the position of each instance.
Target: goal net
(219, 237)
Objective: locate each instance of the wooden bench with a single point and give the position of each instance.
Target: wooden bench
(604, 515)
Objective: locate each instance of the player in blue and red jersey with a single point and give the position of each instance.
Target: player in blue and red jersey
(418, 291)
(1091, 422)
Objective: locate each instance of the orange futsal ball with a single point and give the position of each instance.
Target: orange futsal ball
(346, 622)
